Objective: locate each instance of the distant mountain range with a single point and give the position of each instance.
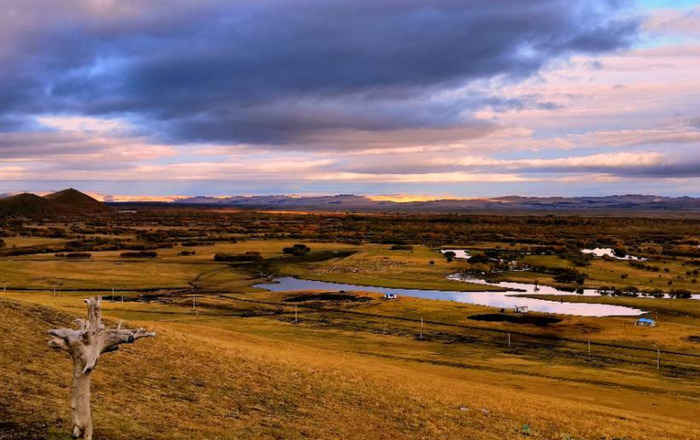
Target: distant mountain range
(66, 202)
(74, 202)
(351, 202)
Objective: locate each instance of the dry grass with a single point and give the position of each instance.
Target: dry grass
(258, 378)
(242, 370)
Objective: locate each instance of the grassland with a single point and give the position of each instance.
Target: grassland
(227, 377)
(252, 364)
(609, 272)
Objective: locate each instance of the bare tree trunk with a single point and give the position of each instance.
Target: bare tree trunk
(80, 402)
(85, 346)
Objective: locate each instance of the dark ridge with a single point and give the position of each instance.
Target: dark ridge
(66, 202)
(77, 202)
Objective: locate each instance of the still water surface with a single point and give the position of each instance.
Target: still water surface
(484, 298)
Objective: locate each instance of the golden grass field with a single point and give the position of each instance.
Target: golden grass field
(241, 368)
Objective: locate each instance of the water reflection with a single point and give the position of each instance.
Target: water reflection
(460, 254)
(608, 252)
(484, 298)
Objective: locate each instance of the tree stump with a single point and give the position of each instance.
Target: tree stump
(85, 346)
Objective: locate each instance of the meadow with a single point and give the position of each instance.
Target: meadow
(248, 363)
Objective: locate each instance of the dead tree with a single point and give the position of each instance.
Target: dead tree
(85, 345)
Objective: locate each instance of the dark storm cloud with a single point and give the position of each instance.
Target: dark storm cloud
(276, 71)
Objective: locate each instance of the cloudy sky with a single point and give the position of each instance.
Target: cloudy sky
(429, 97)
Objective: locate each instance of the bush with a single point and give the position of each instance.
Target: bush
(656, 293)
(606, 290)
(186, 253)
(449, 256)
(680, 293)
(582, 260)
(74, 255)
(628, 291)
(298, 250)
(248, 256)
(139, 254)
(198, 243)
(620, 252)
(79, 255)
(570, 276)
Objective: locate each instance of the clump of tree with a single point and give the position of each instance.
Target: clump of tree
(298, 250)
(74, 255)
(238, 258)
(449, 256)
(643, 266)
(573, 253)
(619, 252)
(581, 260)
(630, 291)
(198, 243)
(691, 251)
(569, 276)
(680, 294)
(655, 293)
(186, 253)
(139, 254)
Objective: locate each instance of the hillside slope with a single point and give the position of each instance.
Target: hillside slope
(66, 202)
(27, 204)
(76, 202)
(194, 381)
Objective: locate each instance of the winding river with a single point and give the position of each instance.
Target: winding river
(506, 299)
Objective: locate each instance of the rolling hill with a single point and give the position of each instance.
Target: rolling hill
(77, 202)
(26, 204)
(66, 202)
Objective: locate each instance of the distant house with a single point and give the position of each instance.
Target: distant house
(520, 309)
(390, 296)
(645, 322)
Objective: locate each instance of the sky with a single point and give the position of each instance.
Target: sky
(440, 98)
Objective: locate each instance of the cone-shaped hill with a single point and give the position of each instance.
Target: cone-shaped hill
(76, 202)
(66, 202)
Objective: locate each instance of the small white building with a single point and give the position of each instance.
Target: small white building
(391, 296)
(520, 309)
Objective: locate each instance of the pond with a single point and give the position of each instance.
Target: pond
(608, 252)
(505, 300)
(536, 289)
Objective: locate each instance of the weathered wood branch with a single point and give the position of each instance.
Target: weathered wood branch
(85, 345)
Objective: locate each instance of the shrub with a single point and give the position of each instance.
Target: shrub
(628, 291)
(198, 243)
(248, 256)
(680, 293)
(297, 250)
(139, 254)
(606, 290)
(78, 255)
(570, 276)
(620, 252)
